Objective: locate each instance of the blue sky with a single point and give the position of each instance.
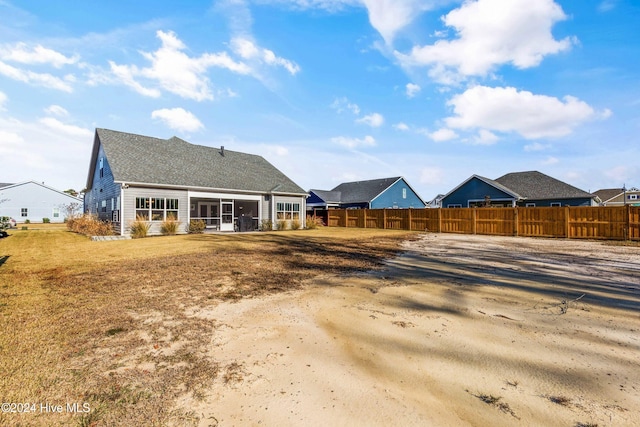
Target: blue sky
(330, 90)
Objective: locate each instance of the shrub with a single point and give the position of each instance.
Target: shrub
(139, 228)
(266, 225)
(196, 226)
(281, 224)
(314, 222)
(89, 225)
(169, 226)
(26, 221)
(46, 220)
(296, 224)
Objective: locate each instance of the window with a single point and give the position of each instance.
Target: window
(531, 205)
(632, 196)
(101, 167)
(56, 212)
(156, 208)
(24, 212)
(556, 204)
(454, 206)
(172, 208)
(404, 193)
(104, 206)
(287, 210)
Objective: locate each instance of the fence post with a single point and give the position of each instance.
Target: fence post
(516, 222)
(567, 228)
(364, 218)
(627, 226)
(409, 219)
(473, 220)
(384, 218)
(439, 220)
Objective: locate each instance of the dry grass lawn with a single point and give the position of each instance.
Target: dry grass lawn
(110, 323)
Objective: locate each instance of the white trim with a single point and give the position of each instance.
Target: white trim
(225, 191)
(212, 195)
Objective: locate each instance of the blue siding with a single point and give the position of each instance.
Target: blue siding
(314, 198)
(393, 197)
(474, 189)
(563, 202)
(104, 189)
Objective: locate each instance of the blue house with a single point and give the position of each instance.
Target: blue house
(381, 193)
(526, 189)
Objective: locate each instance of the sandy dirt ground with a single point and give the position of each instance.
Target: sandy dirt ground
(457, 331)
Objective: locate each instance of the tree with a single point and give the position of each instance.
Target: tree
(72, 192)
(71, 209)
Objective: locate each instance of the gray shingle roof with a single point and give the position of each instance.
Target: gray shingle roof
(328, 196)
(536, 185)
(5, 184)
(363, 191)
(143, 159)
(608, 193)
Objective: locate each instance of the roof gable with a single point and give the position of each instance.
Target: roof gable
(175, 162)
(487, 181)
(327, 196)
(363, 191)
(534, 185)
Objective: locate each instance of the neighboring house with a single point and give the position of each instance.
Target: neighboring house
(35, 201)
(373, 194)
(619, 196)
(436, 202)
(516, 189)
(156, 179)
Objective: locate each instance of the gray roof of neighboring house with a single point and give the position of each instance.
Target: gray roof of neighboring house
(5, 184)
(608, 193)
(175, 162)
(535, 185)
(363, 191)
(328, 196)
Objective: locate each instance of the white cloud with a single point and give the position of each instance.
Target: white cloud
(550, 161)
(248, 50)
(505, 109)
(491, 33)
(536, 146)
(412, 89)
(175, 71)
(485, 137)
(388, 17)
(607, 5)
(38, 79)
(442, 135)
(401, 126)
(62, 128)
(374, 120)
(56, 110)
(178, 119)
(3, 100)
(36, 55)
(367, 141)
(342, 104)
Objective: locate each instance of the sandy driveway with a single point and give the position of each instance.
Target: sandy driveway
(459, 331)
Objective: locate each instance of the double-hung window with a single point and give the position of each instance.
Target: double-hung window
(156, 208)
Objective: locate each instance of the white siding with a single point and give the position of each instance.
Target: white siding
(39, 201)
(128, 206)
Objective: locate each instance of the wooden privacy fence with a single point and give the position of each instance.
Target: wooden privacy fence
(601, 222)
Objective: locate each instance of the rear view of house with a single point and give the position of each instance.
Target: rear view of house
(156, 179)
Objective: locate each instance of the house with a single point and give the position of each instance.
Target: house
(135, 176)
(381, 193)
(34, 201)
(619, 196)
(526, 189)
